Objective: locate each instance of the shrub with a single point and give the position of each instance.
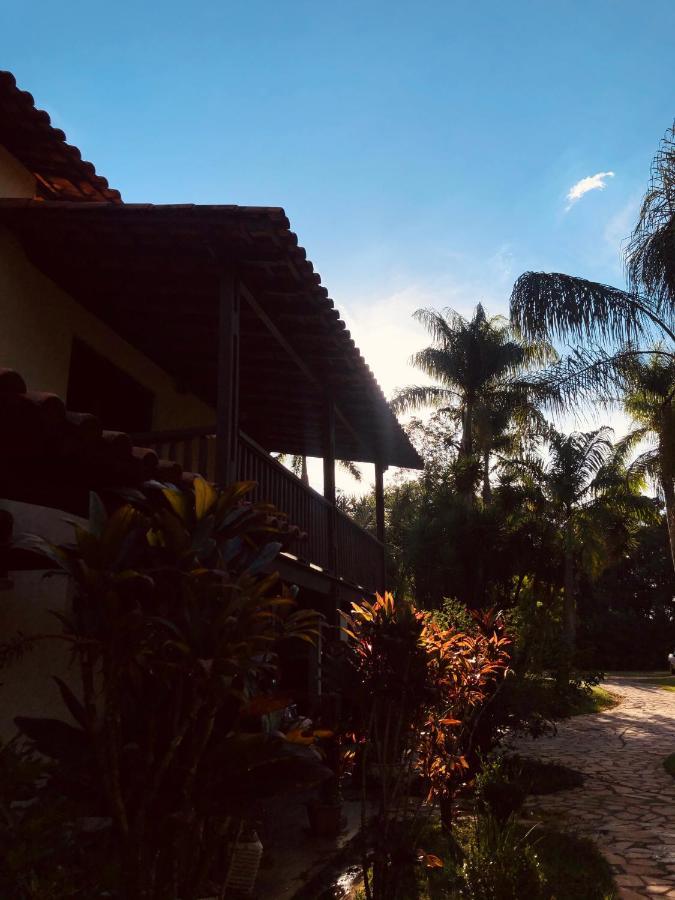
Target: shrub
(499, 863)
(174, 631)
(420, 690)
(498, 791)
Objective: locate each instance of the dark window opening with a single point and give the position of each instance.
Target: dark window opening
(95, 385)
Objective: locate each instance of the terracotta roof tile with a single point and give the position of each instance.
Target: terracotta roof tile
(58, 167)
(140, 261)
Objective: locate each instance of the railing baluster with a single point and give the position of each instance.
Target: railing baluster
(187, 455)
(202, 463)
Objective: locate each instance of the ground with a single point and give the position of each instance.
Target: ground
(627, 803)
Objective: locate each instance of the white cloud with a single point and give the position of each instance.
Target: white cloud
(590, 183)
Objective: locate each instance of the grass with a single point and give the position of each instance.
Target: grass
(598, 699)
(649, 677)
(572, 868)
(652, 679)
(669, 764)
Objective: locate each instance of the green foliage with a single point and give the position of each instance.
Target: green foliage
(455, 615)
(498, 791)
(175, 633)
(669, 764)
(420, 692)
(595, 700)
(45, 851)
(500, 863)
(573, 867)
(617, 329)
(481, 391)
(626, 616)
(360, 509)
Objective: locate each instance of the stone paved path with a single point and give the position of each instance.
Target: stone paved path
(627, 804)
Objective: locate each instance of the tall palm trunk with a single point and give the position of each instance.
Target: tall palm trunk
(466, 444)
(487, 487)
(569, 607)
(465, 454)
(667, 470)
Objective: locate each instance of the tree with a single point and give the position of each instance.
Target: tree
(592, 499)
(649, 396)
(298, 466)
(617, 327)
(478, 364)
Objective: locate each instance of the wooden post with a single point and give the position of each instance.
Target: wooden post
(379, 520)
(227, 409)
(329, 481)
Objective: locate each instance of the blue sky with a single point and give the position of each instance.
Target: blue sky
(422, 150)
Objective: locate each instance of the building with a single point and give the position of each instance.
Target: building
(171, 339)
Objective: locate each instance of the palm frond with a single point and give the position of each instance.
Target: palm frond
(630, 442)
(594, 374)
(419, 397)
(650, 254)
(647, 465)
(437, 363)
(348, 466)
(561, 306)
(441, 325)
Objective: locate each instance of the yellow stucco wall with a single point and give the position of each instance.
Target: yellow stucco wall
(39, 322)
(15, 180)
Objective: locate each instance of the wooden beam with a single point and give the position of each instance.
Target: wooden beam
(227, 406)
(307, 372)
(379, 520)
(329, 481)
(329, 453)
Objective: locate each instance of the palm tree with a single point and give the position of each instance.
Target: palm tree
(478, 365)
(649, 400)
(298, 466)
(587, 492)
(615, 327)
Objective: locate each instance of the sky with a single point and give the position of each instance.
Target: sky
(426, 153)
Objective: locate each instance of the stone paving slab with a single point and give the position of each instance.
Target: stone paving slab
(627, 804)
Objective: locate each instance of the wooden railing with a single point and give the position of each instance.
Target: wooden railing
(357, 556)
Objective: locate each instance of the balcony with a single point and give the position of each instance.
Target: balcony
(335, 544)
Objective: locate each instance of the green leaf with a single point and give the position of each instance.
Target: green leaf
(75, 708)
(97, 514)
(205, 497)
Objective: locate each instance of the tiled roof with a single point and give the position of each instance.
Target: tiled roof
(50, 456)
(137, 265)
(58, 167)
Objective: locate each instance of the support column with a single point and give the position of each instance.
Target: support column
(227, 410)
(329, 481)
(379, 520)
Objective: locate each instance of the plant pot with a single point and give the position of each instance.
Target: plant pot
(244, 864)
(325, 819)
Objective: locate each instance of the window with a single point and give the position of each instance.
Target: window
(95, 385)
